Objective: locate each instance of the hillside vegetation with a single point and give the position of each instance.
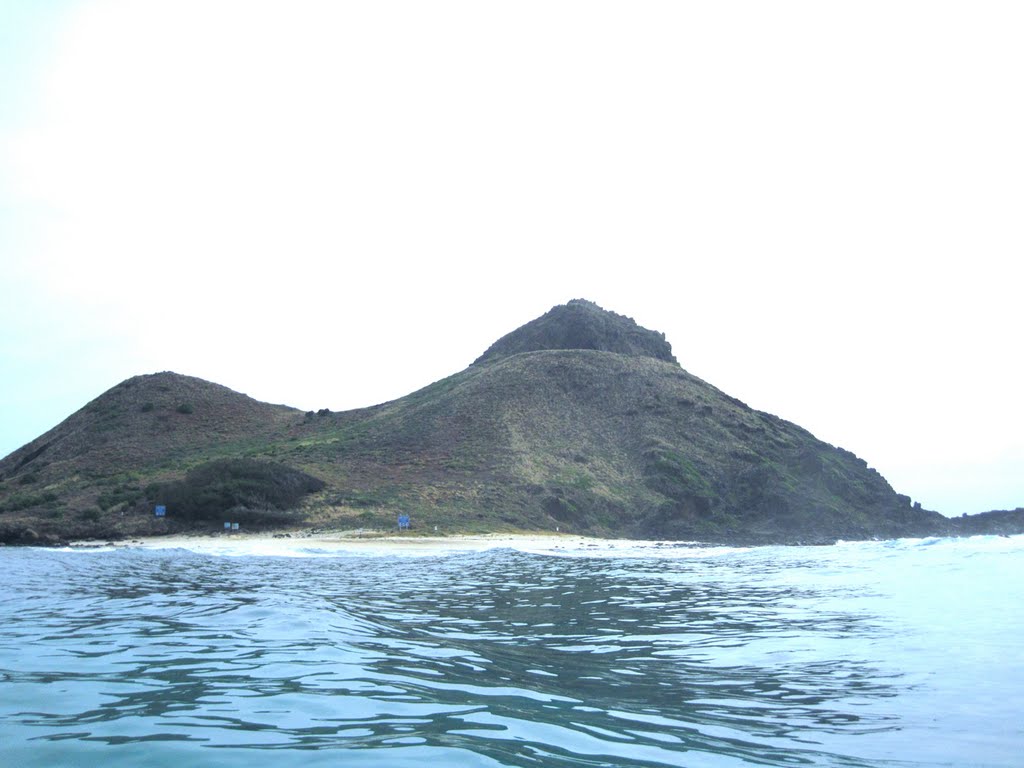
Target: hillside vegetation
(580, 421)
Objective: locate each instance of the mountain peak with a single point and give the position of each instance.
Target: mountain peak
(581, 324)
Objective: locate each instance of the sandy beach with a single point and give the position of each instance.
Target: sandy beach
(375, 543)
(306, 543)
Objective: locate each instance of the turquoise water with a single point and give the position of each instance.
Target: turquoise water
(904, 653)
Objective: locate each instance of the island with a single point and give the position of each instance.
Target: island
(580, 421)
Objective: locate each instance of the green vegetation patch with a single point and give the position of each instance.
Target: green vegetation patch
(18, 501)
(572, 477)
(356, 498)
(671, 474)
(217, 486)
(123, 494)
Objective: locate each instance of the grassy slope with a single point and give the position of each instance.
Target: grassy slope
(593, 442)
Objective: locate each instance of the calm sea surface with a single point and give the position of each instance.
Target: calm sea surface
(902, 653)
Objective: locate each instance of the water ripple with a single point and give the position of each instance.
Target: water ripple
(772, 657)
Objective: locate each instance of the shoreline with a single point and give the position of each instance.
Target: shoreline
(319, 543)
(356, 542)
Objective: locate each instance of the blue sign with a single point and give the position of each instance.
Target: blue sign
(161, 511)
(403, 522)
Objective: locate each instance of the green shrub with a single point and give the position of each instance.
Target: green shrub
(185, 408)
(19, 501)
(147, 407)
(125, 494)
(211, 489)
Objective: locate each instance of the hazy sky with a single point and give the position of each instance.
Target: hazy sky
(331, 204)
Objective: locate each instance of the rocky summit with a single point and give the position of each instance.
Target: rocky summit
(580, 421)
(581, 324)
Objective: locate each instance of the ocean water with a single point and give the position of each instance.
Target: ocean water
(897, 653)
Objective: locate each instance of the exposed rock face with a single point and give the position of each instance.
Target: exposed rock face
(1004, 522)
(581, 324)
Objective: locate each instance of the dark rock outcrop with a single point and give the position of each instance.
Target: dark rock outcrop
(1005, 522)
(581, 324)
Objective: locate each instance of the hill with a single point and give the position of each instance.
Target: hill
(79, 477)
(580, 420)
(607, 444)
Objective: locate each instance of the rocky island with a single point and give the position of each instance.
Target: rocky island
(580, 421)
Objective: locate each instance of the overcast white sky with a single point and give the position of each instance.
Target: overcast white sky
(331, 204)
